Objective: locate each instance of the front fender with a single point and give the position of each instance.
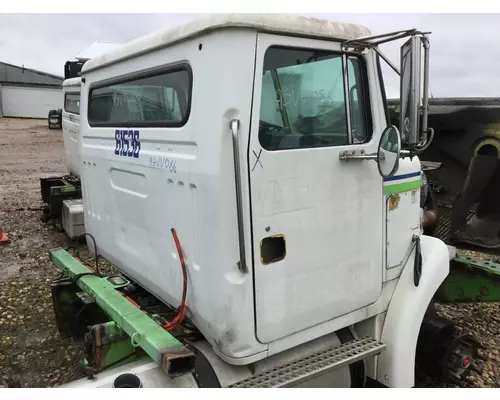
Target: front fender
(396, 365)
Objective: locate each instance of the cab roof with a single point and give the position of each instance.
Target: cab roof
(72, 82)
(288, 24)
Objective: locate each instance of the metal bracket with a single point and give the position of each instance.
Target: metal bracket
(86, 298)
(172, 356)
(358, 155)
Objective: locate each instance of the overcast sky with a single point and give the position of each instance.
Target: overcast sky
(465, 54)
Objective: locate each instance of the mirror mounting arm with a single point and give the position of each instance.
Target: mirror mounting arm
(425, 97)
(357, 155)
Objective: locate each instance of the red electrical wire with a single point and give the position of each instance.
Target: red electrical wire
(181, 313)
(182, 308)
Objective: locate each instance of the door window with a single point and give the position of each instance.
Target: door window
(303, 100)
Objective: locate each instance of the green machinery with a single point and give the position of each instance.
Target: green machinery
(462, 168)
(114, 329)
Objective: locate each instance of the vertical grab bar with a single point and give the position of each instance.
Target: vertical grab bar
(235, 130)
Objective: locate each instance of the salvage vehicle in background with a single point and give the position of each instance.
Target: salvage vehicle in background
(71, 71)
(62, 194)
(462, 174)
(55, 119)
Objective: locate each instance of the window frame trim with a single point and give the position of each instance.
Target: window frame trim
(345, 73)
(367, 103)
(383, 90)
(144, 74)
(66, 96)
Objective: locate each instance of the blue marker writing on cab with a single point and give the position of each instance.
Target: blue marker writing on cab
(127, 143)
(163, 162)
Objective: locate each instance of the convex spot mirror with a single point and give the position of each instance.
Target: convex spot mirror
(389, 151)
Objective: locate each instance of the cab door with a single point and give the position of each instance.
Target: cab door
(316, 219)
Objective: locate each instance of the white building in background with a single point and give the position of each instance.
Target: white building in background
(28, 93)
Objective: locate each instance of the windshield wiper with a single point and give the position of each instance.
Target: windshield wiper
(279, 96)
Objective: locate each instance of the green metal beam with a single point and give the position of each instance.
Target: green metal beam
(171, 355)
(490, 267)
(471, 280)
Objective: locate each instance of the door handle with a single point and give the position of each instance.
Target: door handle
(235, 130)
(359, 155)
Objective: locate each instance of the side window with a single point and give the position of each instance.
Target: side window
(358, 107)
(160, 100)
(303, 101)
(72, 103)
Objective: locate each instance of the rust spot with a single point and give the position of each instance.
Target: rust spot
(484, 291)
(393, 201)
(177, 364)
(97, 331)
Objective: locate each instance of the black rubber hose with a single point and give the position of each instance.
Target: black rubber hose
(95, 251)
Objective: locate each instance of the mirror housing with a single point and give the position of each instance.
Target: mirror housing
(410, 96)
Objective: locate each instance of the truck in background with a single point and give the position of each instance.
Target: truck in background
(62, 194)
(71, 70)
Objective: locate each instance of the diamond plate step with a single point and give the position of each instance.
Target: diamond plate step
(443, 230)
(444, 222)
(314, 365)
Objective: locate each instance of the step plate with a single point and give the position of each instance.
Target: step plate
(314, 365)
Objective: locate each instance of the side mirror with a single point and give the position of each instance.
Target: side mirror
(389, 151)
(410, 84)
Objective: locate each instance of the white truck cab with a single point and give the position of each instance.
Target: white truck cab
(71, 109)
(71, 124)
(264, 140)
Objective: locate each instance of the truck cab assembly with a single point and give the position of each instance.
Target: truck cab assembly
(271, 225)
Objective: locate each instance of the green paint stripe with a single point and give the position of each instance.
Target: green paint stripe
(401, 187)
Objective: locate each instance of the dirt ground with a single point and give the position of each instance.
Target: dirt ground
(31, 351)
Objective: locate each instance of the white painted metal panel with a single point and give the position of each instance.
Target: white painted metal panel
(402, 213)
(183, 178)
(71, 125)
(330, 214)
(30, 102)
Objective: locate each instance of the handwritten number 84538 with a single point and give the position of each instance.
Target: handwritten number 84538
(127, 143)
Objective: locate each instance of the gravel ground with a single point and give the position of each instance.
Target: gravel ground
(483, 321)
(31, 351)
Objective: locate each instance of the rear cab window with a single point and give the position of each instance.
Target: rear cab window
(72, 103)
(159, 99)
